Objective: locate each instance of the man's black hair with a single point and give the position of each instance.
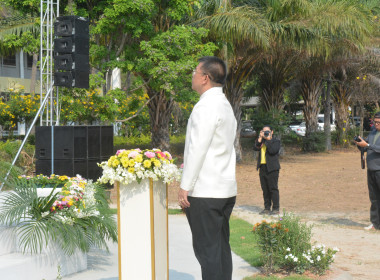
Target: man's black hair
(268, 126)
(377, 115)
(214, 68)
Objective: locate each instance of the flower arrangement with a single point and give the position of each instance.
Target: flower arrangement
(76, 199)
(42, 181)
(128, 166)
(75, 217)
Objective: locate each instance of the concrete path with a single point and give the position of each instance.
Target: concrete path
(182, 263)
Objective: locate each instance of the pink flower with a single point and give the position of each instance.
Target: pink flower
(181, 165)
(160, 154)
(133, 154)
(119, 151)
(168, 155)
(150, 154)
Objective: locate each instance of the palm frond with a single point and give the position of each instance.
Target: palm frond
(18, 25)
(238, 25)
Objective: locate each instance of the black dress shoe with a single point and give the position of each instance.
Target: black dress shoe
(275, 212)
(265, 212)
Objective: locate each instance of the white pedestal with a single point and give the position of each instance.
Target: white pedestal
(143, 230)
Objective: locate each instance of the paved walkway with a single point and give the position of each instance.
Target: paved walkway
(182, 263)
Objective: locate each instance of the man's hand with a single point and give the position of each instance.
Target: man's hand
(182, 198)
(362, 143)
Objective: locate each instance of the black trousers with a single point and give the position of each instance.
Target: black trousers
(269, 185)
(373, 179)
(209, 223)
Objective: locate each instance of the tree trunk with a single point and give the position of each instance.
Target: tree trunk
(160, 109)
(33, 76)
(327, 110)
(342, 123)
(108, 80)
(311, 90)
(238, 73)
(342, 97)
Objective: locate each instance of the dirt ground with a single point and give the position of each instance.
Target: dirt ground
(328, 190)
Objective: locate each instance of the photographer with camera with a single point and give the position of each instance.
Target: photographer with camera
(371, 145)
(269, 165)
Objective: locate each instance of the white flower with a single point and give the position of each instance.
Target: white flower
(318, 258)
(295, 259)
(336, 249)
(288, 249)
(286, 257)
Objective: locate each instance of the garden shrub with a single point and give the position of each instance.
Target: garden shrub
(286, 244)
(314, 142)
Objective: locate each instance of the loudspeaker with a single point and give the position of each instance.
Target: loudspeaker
(68, 62)
(93, 148)
(106, 138)
(80, 142)
(80, 168)
(93, 170)
(79, 79)
(63, 142)
(43, 142)
(77, 150)
(71, 52)
(61, 167)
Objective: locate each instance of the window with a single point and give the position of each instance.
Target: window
(9, 60)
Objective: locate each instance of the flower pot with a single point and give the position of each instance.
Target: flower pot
(143, 230)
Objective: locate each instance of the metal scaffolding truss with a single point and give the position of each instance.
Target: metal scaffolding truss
(49, 11)
(48, 111)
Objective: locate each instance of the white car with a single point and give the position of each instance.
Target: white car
(321, 123)
(294, 125)
(301, 129)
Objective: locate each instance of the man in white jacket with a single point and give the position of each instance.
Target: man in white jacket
(208, 187)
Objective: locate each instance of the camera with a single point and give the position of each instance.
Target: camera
(357, 139)
(266, 133)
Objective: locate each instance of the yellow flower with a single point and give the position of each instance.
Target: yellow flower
(124, 161)
(131, 162)
(115, 163)
(357, 78)
(139, 158)
(110, 161)
(157, 163)
(131, 170)
(147, 163)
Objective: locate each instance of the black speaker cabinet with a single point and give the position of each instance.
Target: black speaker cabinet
(106, 138)
(77, 150)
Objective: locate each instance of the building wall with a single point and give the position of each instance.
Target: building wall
(17, 76)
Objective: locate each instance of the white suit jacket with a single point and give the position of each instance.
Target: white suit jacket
(209, 158)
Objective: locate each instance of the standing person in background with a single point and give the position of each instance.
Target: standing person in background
(371, 145)
(269, 166)
(208, 187)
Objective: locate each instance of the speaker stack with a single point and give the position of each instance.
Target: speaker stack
(77, 150)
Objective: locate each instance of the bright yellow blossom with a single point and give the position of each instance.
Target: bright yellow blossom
(147, 163)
